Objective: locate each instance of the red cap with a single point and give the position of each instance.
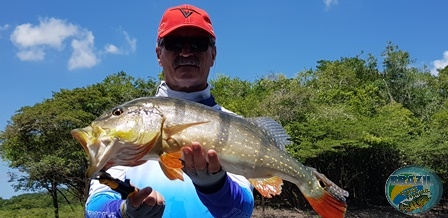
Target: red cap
(183, 16)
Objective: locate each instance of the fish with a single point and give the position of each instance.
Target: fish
(157, 128)
(416, 203)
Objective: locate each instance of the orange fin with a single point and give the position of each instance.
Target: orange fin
(327, 205)
(268, 186)
(171, 165)
(172, 160)
(329, 199)
(172, 173)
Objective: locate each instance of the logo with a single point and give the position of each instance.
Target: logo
(413, 189)
(186, 12)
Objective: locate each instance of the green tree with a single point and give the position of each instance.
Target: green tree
(37, 141)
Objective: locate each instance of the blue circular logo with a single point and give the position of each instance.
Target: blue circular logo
(413, 189)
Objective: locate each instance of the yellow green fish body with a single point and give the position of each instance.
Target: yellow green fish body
(158, 127)
(416, 203)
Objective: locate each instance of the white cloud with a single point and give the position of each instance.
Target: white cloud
(34, 41)
(440, 64)
(83, 55)
(109, 48)
(132, 42)
(329, 3)
(129, 47)
(2, 28)
(51, 34)
(32, 54)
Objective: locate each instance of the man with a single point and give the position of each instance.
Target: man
(186, 51)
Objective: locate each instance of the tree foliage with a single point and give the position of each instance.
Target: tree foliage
(37, 141)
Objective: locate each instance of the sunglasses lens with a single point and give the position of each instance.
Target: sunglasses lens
(175, 44)
(199, 44)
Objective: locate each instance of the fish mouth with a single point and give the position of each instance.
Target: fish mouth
(91, 146)
(106, 149)
(81, 135)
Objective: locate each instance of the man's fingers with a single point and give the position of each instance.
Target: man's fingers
(198, 157)
(146, 203)
(195, 160)
(137, 200)
(154, 198)
(188, 158)
(213, 162)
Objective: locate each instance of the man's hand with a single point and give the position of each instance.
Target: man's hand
(201, 172)
(146, 203)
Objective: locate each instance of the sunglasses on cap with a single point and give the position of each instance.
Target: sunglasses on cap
(196, 44)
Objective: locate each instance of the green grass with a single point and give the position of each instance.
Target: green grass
(65, 211)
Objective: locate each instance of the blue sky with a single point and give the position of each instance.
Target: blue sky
(47, 45)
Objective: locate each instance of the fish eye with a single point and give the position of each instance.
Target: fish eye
(117, 111)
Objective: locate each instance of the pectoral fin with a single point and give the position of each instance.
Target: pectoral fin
(172, 160)
(171, 165)
(169, 144)
(172, 130)
(172, 173)
(268, 187)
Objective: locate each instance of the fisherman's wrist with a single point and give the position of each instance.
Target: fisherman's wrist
(213, 184)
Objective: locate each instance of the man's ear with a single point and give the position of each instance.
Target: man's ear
(158, 52)
(213, 55)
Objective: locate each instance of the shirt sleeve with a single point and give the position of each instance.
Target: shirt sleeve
(232, 200)
(103, 201)
(104, 204)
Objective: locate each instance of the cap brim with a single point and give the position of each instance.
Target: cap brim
(170, 30)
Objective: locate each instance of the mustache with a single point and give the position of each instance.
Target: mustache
(183, 61)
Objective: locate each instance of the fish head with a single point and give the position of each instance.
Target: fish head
(423, 200)
(121, 136)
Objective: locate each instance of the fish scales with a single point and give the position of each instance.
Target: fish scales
(225, 134)
(156, 128)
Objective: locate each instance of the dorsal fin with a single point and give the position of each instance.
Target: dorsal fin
(273, 130)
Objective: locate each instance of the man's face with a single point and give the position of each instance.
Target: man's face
(184, 67)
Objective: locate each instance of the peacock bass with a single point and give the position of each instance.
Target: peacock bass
(156, 128)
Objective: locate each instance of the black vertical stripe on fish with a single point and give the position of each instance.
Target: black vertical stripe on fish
(179, 108)
(224, 128)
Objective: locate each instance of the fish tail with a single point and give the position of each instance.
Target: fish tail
(327, 201)
(327, 206)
